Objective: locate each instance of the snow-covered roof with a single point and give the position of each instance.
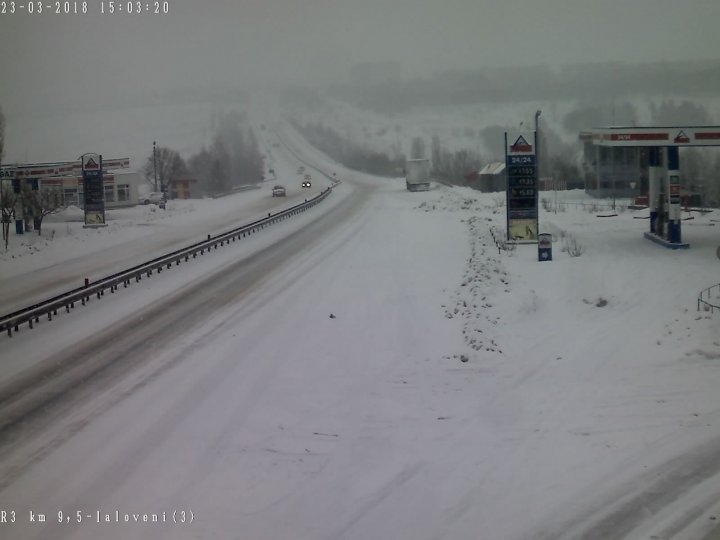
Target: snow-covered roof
(495, 167)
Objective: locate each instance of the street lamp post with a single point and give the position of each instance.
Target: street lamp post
(155, 166)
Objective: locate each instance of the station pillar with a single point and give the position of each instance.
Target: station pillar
(655, 180)
(673, 192)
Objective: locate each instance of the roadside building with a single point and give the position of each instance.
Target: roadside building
(182, 188)
(491, 177)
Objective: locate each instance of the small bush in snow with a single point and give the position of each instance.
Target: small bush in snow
(572, 246)
(508, 247)
(546, 204)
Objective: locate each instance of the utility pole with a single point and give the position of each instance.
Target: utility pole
(537, 141)
(155, 166)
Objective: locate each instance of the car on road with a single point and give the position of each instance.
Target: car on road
(306, 184)
(278, 191)
(154, 197)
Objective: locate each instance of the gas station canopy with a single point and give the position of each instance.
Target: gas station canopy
(657, 136)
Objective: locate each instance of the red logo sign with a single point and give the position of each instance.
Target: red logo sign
(681, 138)
(521, 145)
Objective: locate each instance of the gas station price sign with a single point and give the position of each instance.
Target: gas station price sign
(522, 197)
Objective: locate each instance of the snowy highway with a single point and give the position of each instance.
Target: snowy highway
(374, 368)
(159, 237)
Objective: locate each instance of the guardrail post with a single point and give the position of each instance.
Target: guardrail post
(9, 331)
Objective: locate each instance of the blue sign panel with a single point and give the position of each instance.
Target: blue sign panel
(94, 193)
(522, 184)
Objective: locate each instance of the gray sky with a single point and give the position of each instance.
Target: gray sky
(49, 60)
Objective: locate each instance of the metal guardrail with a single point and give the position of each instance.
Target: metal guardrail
(705, 298)
(31, 314)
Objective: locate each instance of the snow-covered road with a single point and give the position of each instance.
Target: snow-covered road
(376, 369)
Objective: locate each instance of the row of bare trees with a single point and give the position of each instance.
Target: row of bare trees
(233, 158)
(37, 202)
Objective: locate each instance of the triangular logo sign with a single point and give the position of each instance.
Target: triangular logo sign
(682, 138)
(521, 145)
(91, 164)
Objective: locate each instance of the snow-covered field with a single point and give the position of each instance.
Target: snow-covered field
(457, 391)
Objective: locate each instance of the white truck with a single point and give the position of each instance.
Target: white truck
(417, 174)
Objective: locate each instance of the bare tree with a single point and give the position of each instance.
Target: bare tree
(219, 178)
(199, 166)
(42, 202)
(8, 198)
(168, 164)
(7, 195)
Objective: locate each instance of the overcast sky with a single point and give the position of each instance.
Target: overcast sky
(296, 39)
(50, 60)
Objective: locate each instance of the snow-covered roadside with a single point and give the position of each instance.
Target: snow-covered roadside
(35, 267)
(608, 370)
